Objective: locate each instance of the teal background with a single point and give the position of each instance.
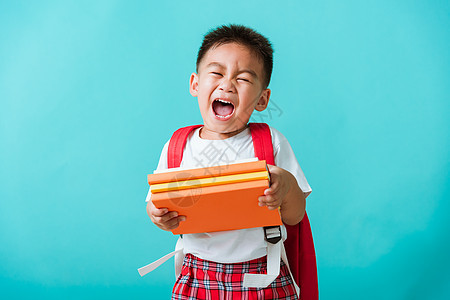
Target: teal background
(91, 90)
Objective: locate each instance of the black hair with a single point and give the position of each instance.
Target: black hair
(242, 35)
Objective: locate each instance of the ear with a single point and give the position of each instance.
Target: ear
(263, 100)
(193, 85)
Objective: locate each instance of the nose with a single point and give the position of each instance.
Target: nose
(227, 85)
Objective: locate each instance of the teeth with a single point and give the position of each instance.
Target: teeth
(223, 117)
(223, 101)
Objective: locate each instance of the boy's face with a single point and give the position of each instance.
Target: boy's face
(229, 87)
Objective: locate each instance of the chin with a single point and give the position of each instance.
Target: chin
(232, 128)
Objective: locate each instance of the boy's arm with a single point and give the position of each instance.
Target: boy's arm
(285, 193)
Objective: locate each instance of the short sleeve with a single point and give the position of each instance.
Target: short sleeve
(285, 159)
(162, 165)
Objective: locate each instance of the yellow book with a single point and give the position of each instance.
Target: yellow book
(204, 182)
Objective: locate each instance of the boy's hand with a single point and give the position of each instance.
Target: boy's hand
(284, 193)
(163, 218)
(279, 187)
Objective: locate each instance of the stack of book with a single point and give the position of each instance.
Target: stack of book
(217, 198)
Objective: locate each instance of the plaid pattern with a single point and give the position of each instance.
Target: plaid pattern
(202, 279)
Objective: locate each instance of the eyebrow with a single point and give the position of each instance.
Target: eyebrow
(216, 64)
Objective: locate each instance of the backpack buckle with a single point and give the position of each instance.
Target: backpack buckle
(272, 234)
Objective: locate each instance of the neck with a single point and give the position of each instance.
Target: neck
(208, 134)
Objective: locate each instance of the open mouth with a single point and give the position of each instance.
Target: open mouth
(223, 109)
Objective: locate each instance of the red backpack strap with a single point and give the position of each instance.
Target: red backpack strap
(299, 244)
(262, 142)
(177, 144)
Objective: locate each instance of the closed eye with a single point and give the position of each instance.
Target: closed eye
(216, 73)
(243, 79)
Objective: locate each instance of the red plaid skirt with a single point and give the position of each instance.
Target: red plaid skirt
(202, 279)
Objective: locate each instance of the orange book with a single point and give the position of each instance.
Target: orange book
(215, 198)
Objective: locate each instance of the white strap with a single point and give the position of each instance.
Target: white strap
(286, 262)
(177, 253)
(179, 257)
(274, 252)
(273, 268)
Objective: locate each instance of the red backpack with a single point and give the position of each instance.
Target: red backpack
(299, 243)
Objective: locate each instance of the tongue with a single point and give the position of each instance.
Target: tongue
(222, 109)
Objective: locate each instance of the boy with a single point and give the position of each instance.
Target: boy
(234, 67)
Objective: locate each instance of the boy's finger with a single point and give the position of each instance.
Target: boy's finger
(169, 216)
(271, 207)
(166, 217)
(159, 212)
(175, 222)
(272, 168)
(172, 224)
(270, 198)
(262, 200)
(268, 201)
(272, 189)
(272, 204)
